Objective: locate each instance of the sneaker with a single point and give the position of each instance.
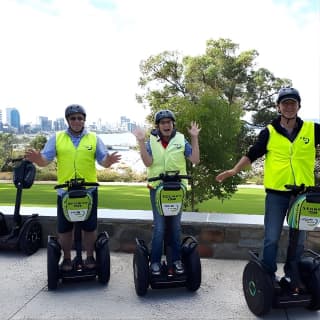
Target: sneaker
(178, 267)
(295, 288)
(89, 263)
(155, 269)
(66, 265)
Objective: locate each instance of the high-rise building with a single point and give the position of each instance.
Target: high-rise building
(59, 124)
(1, 123)
(13, 118)
(44, 123)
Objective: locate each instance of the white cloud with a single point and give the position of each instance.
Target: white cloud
(59, 52)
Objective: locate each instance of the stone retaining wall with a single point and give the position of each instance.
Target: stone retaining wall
(219, 236)
(224, 241)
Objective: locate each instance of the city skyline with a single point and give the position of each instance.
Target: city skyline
(55, 53)
(43, 123)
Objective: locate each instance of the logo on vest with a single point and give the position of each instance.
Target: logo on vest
(177, 145)
(89, 148)
(305, 140)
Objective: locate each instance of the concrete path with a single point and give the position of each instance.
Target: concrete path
(24, 294)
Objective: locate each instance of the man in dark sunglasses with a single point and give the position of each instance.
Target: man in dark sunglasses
(77, 151)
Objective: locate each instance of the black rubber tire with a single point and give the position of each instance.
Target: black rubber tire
(103, 263)
(140, 272)
(3, 225)
(31, 238)
(258, 289)
(53, 257)
(310, 274)
(314, 288)
(192, 265)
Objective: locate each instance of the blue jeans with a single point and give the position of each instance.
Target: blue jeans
(173, 225)
(276, 206)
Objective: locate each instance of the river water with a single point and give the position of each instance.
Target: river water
(126, 139)
(119, 141)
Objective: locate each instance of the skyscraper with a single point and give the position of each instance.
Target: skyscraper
(13, 118)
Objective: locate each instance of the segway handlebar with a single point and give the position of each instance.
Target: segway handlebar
(76, 183)
(16, 159)
(302, 188)
(170, 176)
(12, 160)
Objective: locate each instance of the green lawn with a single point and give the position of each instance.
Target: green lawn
(246, 200)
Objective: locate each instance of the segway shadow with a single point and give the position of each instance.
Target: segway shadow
(191, 278)
(25, 234)
(264, 292)
(78, 196)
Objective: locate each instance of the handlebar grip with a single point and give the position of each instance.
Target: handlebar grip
(92, 184)
(185, 177)
(154, 179)
(165, 178)
(84, 184)
(63, 185)
(290, 186)
(17, 159)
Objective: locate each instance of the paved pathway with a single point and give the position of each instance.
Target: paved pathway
(24, 294)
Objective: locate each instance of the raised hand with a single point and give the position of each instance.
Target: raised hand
(194, 129)
(112, 158)
(139, 134)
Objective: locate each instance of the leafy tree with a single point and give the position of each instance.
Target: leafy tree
(7, 140)
(38, 142)
(216, 89)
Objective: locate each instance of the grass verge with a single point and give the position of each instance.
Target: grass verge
(245, 201)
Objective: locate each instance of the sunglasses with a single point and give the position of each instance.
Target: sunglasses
(76, 118)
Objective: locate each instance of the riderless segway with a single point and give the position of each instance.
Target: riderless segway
(263, 292)
(25, 233)
(77, 203)
(169, 196)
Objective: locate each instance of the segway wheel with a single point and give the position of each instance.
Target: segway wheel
(258, 289)
(30, 239)
(193, 268)
(140, 272)
(310, 272)
(53, 257)
(3, 225)
(103, 261)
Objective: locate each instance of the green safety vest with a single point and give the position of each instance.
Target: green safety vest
(289, 162)
(75, 162)
(171, 158)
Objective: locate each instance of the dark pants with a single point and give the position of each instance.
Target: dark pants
(276, 207)
(63, 225)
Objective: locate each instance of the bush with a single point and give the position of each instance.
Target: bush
(124, 174)
(49, 173)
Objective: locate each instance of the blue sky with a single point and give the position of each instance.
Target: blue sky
(57, 52)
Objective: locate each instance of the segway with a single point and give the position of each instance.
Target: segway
(169, 196)
(264, 292)
(25, 233)
(77, 204)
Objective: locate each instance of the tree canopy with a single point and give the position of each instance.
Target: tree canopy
(217, 89)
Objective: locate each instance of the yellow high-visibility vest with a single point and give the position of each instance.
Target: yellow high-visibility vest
(75, 162)
(289, 162)
(171, 158)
